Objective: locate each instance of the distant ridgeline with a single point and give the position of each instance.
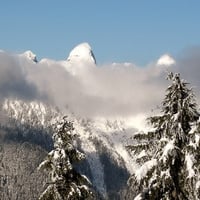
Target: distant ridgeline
(26, 137)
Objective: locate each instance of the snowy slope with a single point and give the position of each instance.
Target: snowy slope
(82, 53)
(111, 135)
(29, 55)
(80, 58)
(102, 140)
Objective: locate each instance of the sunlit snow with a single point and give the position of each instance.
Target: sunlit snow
(142, 171)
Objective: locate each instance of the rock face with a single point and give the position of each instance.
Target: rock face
(26, 139)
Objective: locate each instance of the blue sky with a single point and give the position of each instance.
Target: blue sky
(136, 31)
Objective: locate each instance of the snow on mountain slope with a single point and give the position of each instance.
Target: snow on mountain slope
(102, 140)
(35, 112)
(111, 135)
(80, 58)
(82, 53)
(29, 55)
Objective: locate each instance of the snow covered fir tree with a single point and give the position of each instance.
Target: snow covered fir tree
(65, 182)
(169, 155)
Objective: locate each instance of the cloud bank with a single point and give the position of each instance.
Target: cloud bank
(121, 90)
(13, 79)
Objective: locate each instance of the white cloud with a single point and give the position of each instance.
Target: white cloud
(166, 60)
(13, 82)
(109, 90)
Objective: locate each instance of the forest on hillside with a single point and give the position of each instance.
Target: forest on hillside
(48, 164)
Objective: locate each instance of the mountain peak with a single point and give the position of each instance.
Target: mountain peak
(166, 60)
(30, 55)
(82, 53)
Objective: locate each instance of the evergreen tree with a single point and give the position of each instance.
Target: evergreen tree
(66, 183)
(169, 156)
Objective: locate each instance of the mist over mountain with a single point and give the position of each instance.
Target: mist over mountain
(108, 104)
(87, 88)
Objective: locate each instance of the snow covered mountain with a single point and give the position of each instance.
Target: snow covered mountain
(103, 141)
(26, 130)
(82, 53)
(80, 58)
(29, 55)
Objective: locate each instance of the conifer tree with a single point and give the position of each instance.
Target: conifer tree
(169, 156)
(65, 182)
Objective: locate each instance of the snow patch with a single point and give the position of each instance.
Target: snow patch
(138, 197)
(92, 157)
(189, 159)
(198, 185)
(167, 149)
(142, 154)
(197, 139)
(142, 171)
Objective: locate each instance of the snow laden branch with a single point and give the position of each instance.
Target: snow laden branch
(171, 169)
(65, 182)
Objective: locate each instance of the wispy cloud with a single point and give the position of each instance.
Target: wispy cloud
(13, 81)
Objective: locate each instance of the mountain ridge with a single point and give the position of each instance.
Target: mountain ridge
(103, 142)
